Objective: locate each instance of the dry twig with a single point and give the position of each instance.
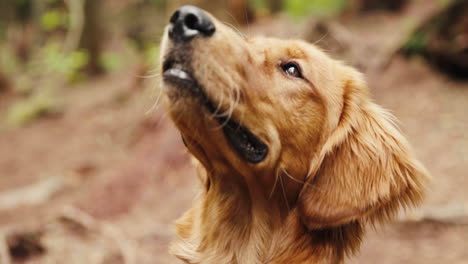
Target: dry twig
(32, 194)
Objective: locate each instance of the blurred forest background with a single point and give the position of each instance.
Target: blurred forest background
(93, 171)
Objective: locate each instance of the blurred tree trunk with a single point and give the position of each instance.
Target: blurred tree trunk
(443, 40)
(275, 6)
(4, 83)
(93, 35)
(23, 17)
(7, 10)
(75, 25)
(356, 6)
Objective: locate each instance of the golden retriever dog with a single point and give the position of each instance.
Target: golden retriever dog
(295, 158)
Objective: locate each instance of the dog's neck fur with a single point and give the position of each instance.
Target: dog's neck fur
(233, 224)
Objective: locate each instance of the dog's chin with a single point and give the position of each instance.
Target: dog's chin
(182, 86)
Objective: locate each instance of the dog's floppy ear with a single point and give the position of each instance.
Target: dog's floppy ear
(365, 168)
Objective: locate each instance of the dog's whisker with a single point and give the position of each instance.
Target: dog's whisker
(242, 113)
(234, 28)
(148, 76)
(237, 98)
(291, 177)
(158, 88)
(161, 119)
(231, 106)
(218, 108)
(151, 73)
(227, 115)
(220, 102)
(156, 69)
(246, 15)
(274, 185)
(284, 192)
(301, 182)
(321, 38)
(179, 116)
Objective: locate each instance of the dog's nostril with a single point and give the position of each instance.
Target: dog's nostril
(174, 17)
(191, 21)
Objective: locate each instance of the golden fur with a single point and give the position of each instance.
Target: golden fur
(336, 160)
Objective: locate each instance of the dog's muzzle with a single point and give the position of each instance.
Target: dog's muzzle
(187, 23)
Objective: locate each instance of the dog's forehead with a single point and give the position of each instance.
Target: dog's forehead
(280, 48)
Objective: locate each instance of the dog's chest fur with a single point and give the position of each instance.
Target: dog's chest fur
(228, 228)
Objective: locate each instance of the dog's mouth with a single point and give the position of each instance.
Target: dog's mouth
(178, 75)
(242, 140)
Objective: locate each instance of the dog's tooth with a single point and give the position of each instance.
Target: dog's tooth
(179, 73)
(183, 75)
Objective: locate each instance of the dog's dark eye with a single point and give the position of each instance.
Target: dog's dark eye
(291, 69)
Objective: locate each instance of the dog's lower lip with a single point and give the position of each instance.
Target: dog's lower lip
(244, 142)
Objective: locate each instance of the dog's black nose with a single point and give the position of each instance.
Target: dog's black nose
(188, 22)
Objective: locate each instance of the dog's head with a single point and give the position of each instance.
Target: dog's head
(265, 109)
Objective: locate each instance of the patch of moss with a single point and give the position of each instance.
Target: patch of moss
(31, 108)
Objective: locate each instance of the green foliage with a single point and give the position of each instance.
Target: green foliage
(2, 30)
(54, 19)
(110, 61)
(321, 8)
(31, 108)
(259, 4)
(416, 43)
(151, 55)
(54, 61)
(9, 62)
(444, 3)
(46, 72)
(158, 3)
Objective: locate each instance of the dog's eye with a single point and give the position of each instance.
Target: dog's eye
(291, 69)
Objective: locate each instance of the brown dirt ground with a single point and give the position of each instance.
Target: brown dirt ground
(124, 175)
